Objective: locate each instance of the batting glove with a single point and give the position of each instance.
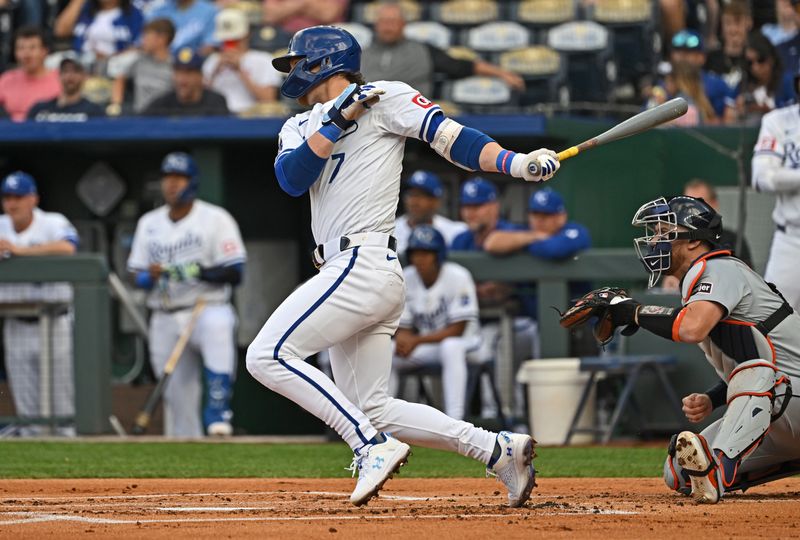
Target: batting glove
(351, 104)
(538, 166)
(182, 272)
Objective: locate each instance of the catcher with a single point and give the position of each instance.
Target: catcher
(748, 332)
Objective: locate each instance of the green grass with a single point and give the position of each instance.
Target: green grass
(28, 459)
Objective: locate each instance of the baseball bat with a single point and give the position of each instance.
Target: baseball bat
(143, 418)
(643, 121)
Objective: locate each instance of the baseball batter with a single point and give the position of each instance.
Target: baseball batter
(749, 334)
(439, 324)
(25, 230)
(347, 153)
(183, 251)
(776, 169)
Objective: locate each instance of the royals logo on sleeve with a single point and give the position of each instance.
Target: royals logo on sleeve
(422, 101)
(766, 143)
(703, 288)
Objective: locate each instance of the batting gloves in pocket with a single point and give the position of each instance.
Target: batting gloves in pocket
(353, 102)
(538, 166)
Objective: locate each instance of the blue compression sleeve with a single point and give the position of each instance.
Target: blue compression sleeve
(298, 169)
(565, 243)
(231, 273)
(466, 150)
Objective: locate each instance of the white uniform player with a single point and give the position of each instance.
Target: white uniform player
(347, 153)
(28, 231)
(776, 169)
(422, 200)
(198, 255)
(439, 324)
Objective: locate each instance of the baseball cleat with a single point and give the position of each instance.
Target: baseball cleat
(220, 429)
(695, 457)
(375, 465)
(514, 466)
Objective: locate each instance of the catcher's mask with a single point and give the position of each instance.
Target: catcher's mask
(666, 220)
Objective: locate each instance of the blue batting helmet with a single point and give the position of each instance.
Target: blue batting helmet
(427, 238)
(331, 49)
(183, 164)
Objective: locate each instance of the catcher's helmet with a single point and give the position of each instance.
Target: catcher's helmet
(661, 218)
(427, 238)
(183, 164)
(329, 48)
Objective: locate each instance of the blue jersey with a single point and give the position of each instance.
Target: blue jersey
(466, 240)
(571, 239)
(194, 25)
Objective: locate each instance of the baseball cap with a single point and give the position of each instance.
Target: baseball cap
(546, 201)
(18, 183)
(187, 58)
(478, 191)
(231, 24)
(687, 40)
(71, 58)
(427, 182)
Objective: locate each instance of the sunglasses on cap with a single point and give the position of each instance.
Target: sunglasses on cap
(685, 40)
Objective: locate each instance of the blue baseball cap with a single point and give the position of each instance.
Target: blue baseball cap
(18, 183)
(427, 182)
(478, 191)
(546, 201)
(187, 58)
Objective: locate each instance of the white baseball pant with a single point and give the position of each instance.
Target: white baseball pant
(211, 345)
(352, 307)
(782, 266)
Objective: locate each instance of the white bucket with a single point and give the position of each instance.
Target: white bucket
(555, 387)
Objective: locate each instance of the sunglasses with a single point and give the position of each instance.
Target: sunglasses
(685, 40)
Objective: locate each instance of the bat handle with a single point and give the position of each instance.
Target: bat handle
(141, 423)
(568, 153)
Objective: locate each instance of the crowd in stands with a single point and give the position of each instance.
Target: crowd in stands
(733, 60)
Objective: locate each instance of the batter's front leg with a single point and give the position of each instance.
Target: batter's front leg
(361, 367)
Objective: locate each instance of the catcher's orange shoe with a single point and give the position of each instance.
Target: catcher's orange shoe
(696, 458)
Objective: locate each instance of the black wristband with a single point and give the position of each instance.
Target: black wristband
(718, 394)
(659, 320)
(623, 313)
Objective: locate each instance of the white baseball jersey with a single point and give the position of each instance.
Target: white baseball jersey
(450, 300)
(45, 228)
(449, 229)
(208, 236)
(778, 146)
(229, 83)
(359, 187)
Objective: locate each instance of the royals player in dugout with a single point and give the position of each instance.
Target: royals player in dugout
(347, 153)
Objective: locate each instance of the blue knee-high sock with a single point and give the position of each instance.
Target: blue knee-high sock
(218, 402)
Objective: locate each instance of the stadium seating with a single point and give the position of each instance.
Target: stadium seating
(268, 38)
(365, 13)
(544, 72)
(496, 37)
(479, 94)
(591, 70)
(463, 13)
(430, 32)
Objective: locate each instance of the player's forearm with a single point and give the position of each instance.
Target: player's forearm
(231, 274)
(774, 179)
(718, 394)
(453, 330)
(504, 242)
(62, 247)
(118, 90)
(298, 169)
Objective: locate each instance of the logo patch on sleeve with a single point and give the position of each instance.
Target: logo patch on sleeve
(704, 288)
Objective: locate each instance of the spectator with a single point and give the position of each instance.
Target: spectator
(688, 46)
(439, 324)
(789, 50)
(786, 26)
(20, 88)
(245, 77)
(393, 57)
(70, 105)
(190, 97)
(550, 234)
(767, 86)
(100, 27)
(729, 62)
(294, 15)
(422, 199)
(150, 69)
(25, 231)
(194, 23)
(699, 15)
(685, 80)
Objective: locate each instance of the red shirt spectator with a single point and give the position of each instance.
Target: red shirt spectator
(30, 83)
(294, 15)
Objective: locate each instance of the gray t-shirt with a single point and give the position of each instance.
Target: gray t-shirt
(151, 78)
(747, 300)
(407, 61)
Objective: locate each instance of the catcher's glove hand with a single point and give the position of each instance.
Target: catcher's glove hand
(610, 306)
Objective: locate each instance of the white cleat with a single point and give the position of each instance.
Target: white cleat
(695, 457)
(515, 466)
(375, 465)
(220, 429)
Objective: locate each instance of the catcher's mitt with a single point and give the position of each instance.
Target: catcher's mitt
(596, 304)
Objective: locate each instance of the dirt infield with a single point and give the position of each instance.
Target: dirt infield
(463, 508)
